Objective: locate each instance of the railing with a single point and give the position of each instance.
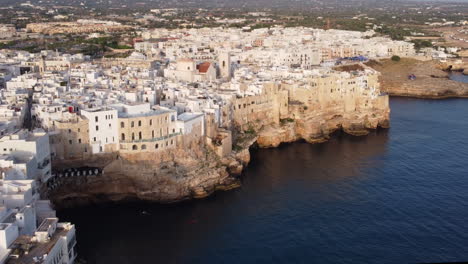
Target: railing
(151, 139)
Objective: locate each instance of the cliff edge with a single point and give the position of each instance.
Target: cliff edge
(431, 81)
(197, 171)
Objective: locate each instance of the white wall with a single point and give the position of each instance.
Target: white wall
(103, 130)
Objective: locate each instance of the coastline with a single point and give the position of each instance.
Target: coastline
(197, 172)
(183, 175)
(432, 79)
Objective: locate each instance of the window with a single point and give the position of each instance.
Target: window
(173, 130)
(143, 146)
(133, 124)
(96, 118)
(110, 125)
(133, 136)
(70, 141)
(122, 124)
(123, 136)
(172, 142)
(134, 147)
(152, 134)
(139, 135)
(139, 123)
(97, 128)
(156, 146)
(69, 130)
(151, 122)
(79, 140)
(85, 149)
(94, 139)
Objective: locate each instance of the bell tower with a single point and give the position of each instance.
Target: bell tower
(224, 60)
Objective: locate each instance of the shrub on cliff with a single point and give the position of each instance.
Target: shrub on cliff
(396, 58)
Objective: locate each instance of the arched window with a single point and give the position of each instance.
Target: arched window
(133, 136)
(134, 147)
(152, 134)
(122, 124)
(139, 135)
(143, 146)
(156, 146)
(139, 122)
(123, 136)
(133, 124)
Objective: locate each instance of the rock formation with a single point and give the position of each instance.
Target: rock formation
(196, 171)
(431, 81)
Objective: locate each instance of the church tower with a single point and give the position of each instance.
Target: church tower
(224, 60)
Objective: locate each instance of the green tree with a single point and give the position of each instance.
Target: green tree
(396, 58)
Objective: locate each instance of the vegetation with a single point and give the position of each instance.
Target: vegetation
(286, 120)
(396, 58)
(236, 147)
(420, 43)
(250, 131)
(395, 33)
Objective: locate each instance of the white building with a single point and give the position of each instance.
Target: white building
(102, 128)
(30, 148)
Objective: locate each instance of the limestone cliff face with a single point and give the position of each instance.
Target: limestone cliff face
(171, 176)
(316, 128)
(195, 171)
(431, 81)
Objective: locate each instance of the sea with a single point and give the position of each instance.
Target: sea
(398, 195)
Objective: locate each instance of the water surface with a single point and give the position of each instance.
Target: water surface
(459, 77)
(395, 196)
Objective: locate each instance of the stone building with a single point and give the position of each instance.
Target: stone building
(141, 128)
(70, 139)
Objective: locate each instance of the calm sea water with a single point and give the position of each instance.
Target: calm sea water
(459, 77)
(395, 196)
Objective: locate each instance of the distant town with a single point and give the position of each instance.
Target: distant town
(76, 87)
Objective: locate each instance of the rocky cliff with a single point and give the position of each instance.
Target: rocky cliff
(431, 81)
(196, 171)
(315, 128)
(167, 176)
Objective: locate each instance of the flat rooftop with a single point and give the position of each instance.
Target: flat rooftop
(36, 250)
(188, 116)
(144, 114)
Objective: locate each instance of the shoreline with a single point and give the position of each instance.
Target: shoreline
(65, 199)
(432, 79)
(428, 97)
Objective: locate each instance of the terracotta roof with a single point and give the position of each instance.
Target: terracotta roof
(203, 67)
